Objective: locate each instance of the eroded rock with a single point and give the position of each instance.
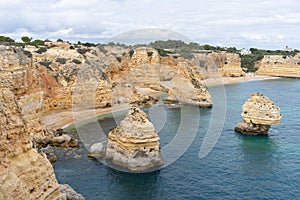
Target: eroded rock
(278, 65)
(182, 90)
(134, 144)
(259, 113)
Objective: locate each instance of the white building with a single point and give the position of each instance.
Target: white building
(288, 49)
(245, 52)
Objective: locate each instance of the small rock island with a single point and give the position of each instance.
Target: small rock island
(259, 113)
(134, 144)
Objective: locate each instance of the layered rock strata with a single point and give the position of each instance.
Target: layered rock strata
(24, 87)
(277, 65)
(25, 174)
(259, 113)
(134, 144)
(182, 90)
(218, 64)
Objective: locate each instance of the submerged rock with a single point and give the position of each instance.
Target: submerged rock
(134, 144)
(259, 113)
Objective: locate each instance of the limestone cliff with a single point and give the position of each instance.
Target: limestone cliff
(144, 68)
(24, 173)
(216, 64)
(259, 113)
(183, 90)
(24, 88)
(277, 65)
(134, 144)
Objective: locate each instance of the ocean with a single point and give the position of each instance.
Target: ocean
(237, 167)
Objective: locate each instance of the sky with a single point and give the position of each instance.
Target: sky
(265, 24)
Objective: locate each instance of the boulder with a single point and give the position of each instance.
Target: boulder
(97, 150)
(69, 193)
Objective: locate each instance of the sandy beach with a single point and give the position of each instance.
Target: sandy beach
(61, 119)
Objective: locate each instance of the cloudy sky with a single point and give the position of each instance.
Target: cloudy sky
(265, 24)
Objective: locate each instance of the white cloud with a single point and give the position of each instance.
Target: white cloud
(242, 23)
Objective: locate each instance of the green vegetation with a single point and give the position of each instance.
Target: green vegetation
(28, 54)
(168, 47)
(38, 43)
(67, 78)
(174, 48)
(61, 60)
(131, 52)
(82, 51)
(119, 59)
(101, 47)
(76, 61)
(41, 50)
(248, 61)
(26, 39)
(6, 39)
(46, 64)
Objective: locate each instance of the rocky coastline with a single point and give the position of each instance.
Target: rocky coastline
(37, 82)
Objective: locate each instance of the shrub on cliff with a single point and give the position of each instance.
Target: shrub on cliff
(28, 54)
(41, 50)
(46, 64)
(61, 60)
(26, 39)
(6, 39)
(102, 48)
(82, 51)
(76, 61)
(38, 43)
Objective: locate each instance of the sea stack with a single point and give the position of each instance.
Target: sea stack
(134, 144)
(259, 113)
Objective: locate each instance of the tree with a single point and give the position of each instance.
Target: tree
(6, 39)
(59, 40)
(38, 42)
(26, 39)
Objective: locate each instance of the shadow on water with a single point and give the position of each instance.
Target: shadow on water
(133, 186)
(258, 154)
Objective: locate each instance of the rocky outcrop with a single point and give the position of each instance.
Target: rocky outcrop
(70, 193)
(24, 173)
(259, 113)
(216, 64)
(277, 65)
(182, 90)
(134, 144)
(24, 88)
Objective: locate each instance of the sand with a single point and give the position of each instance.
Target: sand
(63, 118)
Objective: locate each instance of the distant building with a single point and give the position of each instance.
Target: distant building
(288, 49)
(245, 52)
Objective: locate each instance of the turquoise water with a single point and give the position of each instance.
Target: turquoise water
(238, 167)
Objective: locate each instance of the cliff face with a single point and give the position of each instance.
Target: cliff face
(24, 88)
(217, 64)
(134, 144)
(144, 68)
(182, 90)
(259, 113)
(24, 173)
(54, 80)
(277, 65)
